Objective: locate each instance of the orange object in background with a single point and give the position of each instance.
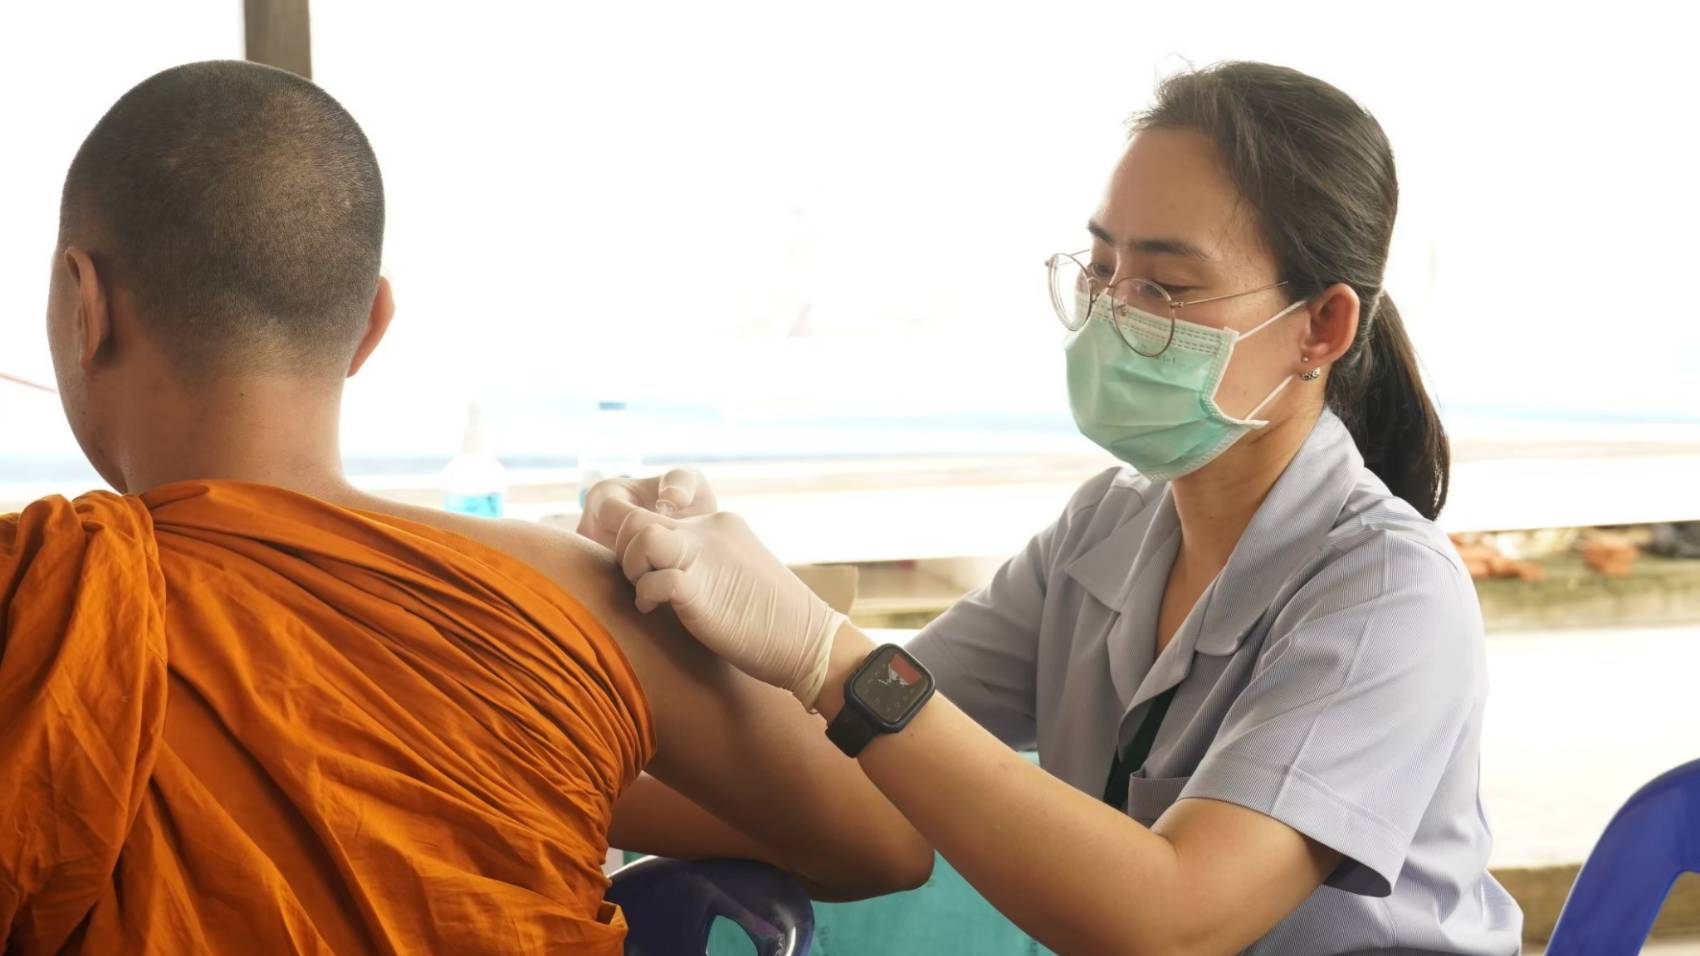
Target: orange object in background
(1484, 560)
(1612, 555)
(236, 719)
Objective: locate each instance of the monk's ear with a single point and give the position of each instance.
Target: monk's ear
(93, 329)
(377, 323)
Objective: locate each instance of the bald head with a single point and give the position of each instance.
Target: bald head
(239, 211)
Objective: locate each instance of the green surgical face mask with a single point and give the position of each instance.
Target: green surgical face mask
(1157, 414)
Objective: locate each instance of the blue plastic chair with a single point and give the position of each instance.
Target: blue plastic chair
(671, 906)
(1653, 840)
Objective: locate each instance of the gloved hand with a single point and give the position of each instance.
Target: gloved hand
(733, 594)
(678, 493)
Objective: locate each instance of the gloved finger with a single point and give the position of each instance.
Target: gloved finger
(654, 548)
(605, 506)
(636, 519)
(684, 491)
(669, 586)
(612, 513)
(587, 527)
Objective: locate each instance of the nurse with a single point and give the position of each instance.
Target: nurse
(1252, 666)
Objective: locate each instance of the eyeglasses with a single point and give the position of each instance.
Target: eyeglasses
(1143, 312)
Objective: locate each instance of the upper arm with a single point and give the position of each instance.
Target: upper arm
(744, 751)
(1357, 708)
(983, 651)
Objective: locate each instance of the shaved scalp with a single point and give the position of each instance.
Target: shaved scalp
(239, 210)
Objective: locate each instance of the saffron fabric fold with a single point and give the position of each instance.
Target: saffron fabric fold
(234, 719)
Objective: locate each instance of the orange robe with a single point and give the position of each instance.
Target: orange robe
(238, 720)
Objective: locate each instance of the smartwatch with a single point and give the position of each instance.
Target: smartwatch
(881, 697)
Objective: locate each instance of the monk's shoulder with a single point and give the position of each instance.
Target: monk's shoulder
(576, 564)
(571, 560)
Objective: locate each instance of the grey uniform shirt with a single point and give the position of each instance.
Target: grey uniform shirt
(1332, 677)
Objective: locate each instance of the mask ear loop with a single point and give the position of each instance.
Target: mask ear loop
(1251, 416)
(1272, 320)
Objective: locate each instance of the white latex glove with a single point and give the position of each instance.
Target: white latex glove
(733, 594)
(681, 492)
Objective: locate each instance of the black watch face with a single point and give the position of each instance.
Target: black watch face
(891, 684)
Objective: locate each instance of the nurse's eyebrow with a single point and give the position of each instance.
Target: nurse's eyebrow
(1160, 247)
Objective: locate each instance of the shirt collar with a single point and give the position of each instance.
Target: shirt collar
(1108, 569)
(1298, 513)
(1288, 528)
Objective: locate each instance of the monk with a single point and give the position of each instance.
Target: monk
(245, 708)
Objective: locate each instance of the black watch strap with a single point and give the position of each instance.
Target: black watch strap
(850, 731)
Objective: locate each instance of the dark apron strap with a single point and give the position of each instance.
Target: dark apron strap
(1133, 758)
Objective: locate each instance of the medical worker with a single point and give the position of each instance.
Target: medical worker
(1251, 664)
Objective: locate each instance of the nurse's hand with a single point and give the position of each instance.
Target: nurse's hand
(733, 595)
(682, 492)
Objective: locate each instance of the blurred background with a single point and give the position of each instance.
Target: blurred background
(801, 244)
(816, 230)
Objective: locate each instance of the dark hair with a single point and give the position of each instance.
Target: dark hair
(240, 208)
(1317, 169)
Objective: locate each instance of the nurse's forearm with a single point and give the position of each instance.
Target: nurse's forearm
(1074, 873)
(1027, 841)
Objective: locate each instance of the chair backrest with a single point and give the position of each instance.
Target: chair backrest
(1653, 840)
(671, 905)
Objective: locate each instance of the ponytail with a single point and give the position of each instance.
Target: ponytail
(1378, 392)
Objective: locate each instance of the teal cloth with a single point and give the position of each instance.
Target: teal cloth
(946, 917)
